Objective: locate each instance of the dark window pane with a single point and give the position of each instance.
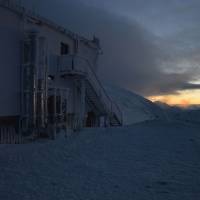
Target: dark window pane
(64, 49)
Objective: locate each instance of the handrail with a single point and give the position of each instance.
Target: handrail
(86, 68)
(113, 104)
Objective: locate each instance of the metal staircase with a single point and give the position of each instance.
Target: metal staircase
(95, 99)
(95, 93)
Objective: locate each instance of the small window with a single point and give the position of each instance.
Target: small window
(64, 49)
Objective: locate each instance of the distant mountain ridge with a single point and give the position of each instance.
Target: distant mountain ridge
(165, 105)
(190, 114)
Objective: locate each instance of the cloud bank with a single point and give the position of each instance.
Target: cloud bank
(134, 57)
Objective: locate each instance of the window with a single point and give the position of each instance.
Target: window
(64, 49)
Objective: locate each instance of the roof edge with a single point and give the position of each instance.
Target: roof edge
(22, 11)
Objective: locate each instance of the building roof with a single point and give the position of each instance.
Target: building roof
(37, 19)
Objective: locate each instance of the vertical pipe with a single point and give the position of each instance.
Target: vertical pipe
(33, 87)
(74, 104)
(46, 90)
(82, 103)
(55, 115)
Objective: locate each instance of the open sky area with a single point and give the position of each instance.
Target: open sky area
(150, 47)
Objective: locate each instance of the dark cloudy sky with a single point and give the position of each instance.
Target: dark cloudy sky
(150, 46)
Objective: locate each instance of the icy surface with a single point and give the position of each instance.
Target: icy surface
(152, 160)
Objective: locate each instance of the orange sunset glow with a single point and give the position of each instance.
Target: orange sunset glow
(183, 98)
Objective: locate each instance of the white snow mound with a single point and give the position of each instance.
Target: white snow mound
(135, 108)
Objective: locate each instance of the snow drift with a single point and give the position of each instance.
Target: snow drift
(135, 108)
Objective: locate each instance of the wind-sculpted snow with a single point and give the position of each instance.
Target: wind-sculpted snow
(135, 108)
(152, 160)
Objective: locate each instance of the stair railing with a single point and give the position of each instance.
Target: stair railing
(78, 64)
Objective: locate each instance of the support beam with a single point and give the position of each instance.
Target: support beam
(83, 103)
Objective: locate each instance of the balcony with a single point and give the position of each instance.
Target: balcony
(72, 65)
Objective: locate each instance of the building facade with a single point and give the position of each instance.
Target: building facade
(48, 76)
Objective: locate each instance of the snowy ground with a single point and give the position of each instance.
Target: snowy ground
(152, 160)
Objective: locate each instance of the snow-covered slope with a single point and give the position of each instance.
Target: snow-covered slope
(135, 108)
